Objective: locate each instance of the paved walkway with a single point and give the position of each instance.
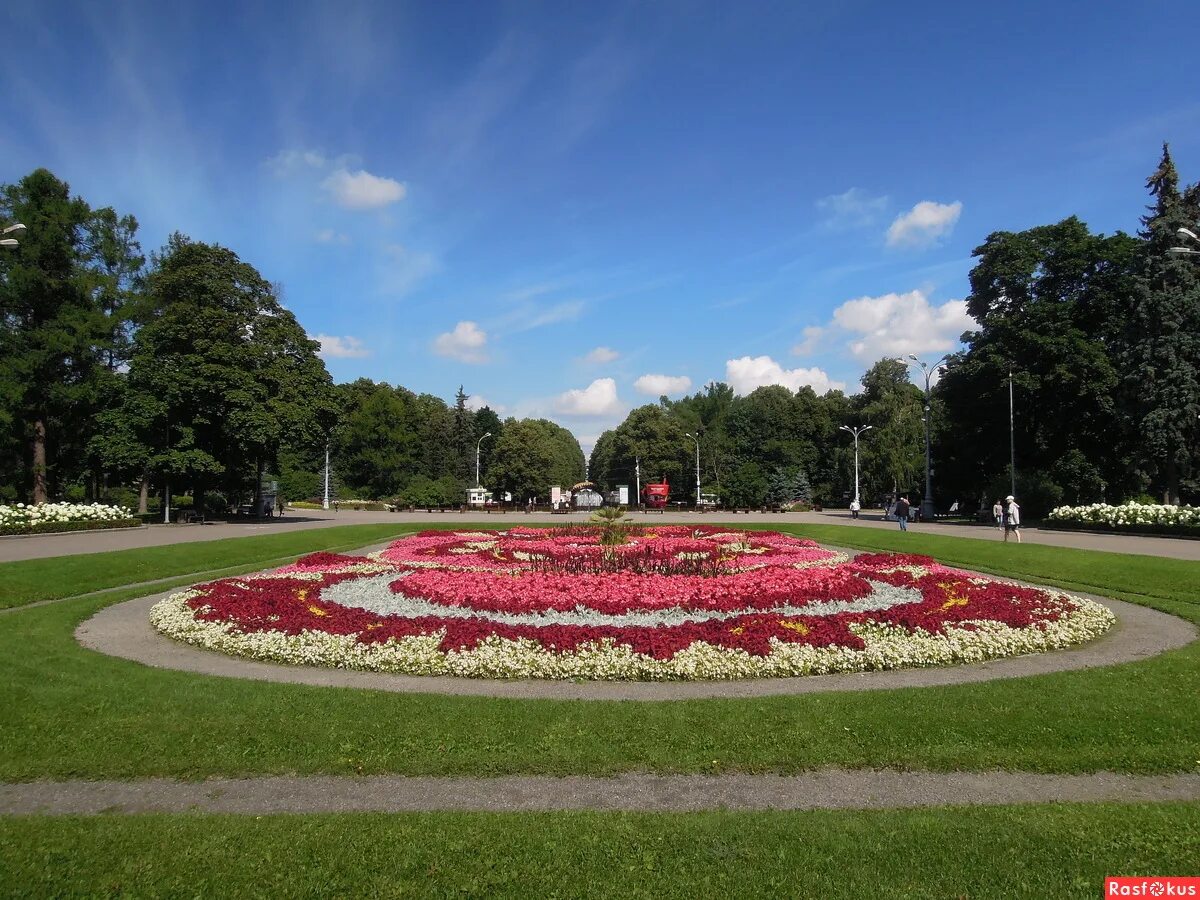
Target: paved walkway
(823, 789)
(123, 630)
(41, 546)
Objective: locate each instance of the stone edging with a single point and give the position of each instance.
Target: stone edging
(123, 630)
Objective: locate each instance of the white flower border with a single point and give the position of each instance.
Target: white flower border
(887, 647)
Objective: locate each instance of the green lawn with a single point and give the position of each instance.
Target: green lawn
(1018, 851)
(69, 713)
(31, 580)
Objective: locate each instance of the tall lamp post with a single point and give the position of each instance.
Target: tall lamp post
(928, 371)
(478, 444)
(856, 432)
(11, 229)
(1012, 441)
(696, 438)
(325, 501)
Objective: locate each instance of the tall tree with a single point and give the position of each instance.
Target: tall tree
(1163, 359)
(893, 458)
(1050, 304)
(223, 371)
(52, 330)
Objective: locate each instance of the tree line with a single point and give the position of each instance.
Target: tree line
(124, 379)
(1101, 337)
(127, 378)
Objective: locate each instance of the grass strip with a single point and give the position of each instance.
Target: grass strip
(70, 713)
(28, 581)
(1034, 851)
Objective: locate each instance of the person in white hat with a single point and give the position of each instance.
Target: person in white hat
(1012, 518)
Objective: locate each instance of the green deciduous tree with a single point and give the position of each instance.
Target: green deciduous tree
(221, 373)
(531, 455)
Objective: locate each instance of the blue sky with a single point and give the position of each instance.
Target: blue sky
(572, 208)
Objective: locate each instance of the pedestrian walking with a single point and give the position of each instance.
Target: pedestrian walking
(1012, 518)
(855, 506)
(998, 514)
(902, 513)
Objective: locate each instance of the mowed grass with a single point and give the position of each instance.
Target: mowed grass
(28, 581)
(1019, 851)
(66, 712)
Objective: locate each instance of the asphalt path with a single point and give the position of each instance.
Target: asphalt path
(43, 546)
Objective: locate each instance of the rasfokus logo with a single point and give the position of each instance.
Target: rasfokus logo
(1163, 886)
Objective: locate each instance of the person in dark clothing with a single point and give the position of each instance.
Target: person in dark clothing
(902, 513)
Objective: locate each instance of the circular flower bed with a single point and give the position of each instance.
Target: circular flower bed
(669, 603)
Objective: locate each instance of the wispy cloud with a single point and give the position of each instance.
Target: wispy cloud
(464, 116)
(330, 236)
(600, 355)
(855, 208)
(400, 270)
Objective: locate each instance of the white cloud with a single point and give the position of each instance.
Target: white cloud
(898, 324)
(601, 355)
(465, 343)
(333, 347)
(362, 190)
(329, 236)
(597, 399)
(749, 372)
(657, 385)
(923, 224)
(853, 209)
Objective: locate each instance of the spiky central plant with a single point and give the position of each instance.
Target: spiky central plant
(614, 527)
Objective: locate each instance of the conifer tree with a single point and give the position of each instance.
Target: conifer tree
(1162, 360)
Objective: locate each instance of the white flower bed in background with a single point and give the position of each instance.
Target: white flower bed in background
(1128, 515)
(22, 517)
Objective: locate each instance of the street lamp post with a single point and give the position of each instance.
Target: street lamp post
(478, 444)
(856, 432)
(11, 229)
(1012, 441)
(696, 438)
(1190, 235)
(928, 371)
(325, 501)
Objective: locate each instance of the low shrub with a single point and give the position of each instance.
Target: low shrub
(59, 527)
(43, 517)
(1133, 518)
